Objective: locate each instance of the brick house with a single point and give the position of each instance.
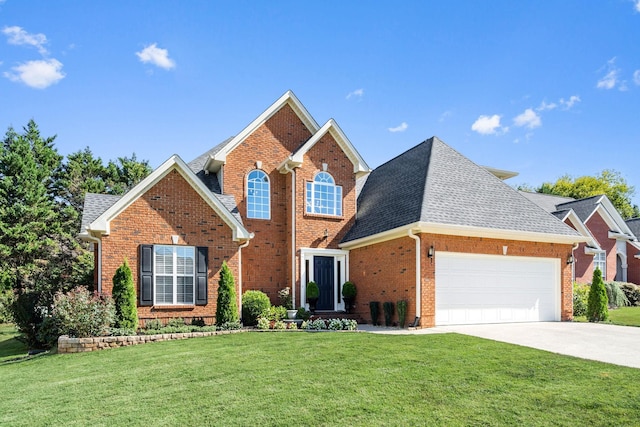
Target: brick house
(612, 244)
(287, 201)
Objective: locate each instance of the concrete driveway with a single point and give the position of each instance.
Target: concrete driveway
(619, 345)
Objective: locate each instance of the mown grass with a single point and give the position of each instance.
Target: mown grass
(10, 346)
(320, 379)
(623, 316)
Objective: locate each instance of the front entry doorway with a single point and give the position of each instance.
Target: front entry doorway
(328, 268)
(323, 275)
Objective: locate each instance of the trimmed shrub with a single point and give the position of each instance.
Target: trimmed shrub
(303, 314)
(197, 321)
(616, 297)
(597, 310)
(124, 298)
(402, 312)
(80, 314)
(349, 290)
(374, 308)
(154, 324)
(28, 314)
(276, 313)
(580, 299)
(313, 291)
(227, 308)
(632, 293)
(176, 322)
(230, 326)
(254, 305)
(388, 312)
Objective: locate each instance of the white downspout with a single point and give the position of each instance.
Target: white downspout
(573, 264)
(293, 237)
(243, 245)
(418, 277)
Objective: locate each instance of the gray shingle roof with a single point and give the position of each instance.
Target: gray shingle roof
(634, 226)
(583, 207)
(94, 206)
(433, 183)
(548, 202)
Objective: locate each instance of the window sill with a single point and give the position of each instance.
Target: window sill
(323, 216)
(174, 307)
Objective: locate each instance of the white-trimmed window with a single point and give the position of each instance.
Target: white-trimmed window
(600, 261)
(174, 274)
(258, 195)
(324, 197)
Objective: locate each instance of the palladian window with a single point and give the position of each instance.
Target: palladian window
(324, 197)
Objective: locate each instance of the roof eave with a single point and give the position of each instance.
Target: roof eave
(466, 231)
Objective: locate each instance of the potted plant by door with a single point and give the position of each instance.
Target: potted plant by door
(349, 293)
(287, 302)
(313, 292)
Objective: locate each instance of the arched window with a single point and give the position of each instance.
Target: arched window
(324, 197)
(258, 195)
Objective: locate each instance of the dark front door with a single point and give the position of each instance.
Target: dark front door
(323, 276)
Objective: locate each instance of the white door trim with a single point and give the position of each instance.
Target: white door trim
(340, 272)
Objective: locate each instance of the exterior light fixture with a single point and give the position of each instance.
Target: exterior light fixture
(570, 259)
(430, 253)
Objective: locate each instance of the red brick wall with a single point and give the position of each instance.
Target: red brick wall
(633, 263)
(310, 228)
(171, 207)
(386, 271)
(600, 230)
(266, 261)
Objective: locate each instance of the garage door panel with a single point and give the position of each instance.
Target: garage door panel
(474, 288)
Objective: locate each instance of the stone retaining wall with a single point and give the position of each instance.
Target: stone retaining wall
(80, 345)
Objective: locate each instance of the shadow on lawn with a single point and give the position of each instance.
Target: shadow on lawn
(11, 346)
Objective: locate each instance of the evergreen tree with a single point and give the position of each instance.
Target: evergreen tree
(597, 308)
(227, 308)
(124, 297)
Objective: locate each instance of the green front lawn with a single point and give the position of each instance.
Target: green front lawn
(10, 346)
(318, 379)
(624, 316)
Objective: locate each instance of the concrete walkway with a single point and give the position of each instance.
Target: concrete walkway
(619, 345)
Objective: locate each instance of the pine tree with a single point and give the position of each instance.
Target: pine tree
(597, 310)
(227, 308)
(124, 297)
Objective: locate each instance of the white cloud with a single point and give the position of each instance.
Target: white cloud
(401, 128)
(37, 74)
(444, 116)
(544, 106)
(573, 99)
(156, 56)
(637, 5)
(17, 36)
(356, 94)
(636, 75)
(529, 119)
(488, 125)
(610, 79)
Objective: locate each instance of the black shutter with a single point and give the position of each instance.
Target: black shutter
(202, 260)
(146, 274)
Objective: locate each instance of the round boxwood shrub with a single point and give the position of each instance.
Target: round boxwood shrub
(349, 290)
(254, 304)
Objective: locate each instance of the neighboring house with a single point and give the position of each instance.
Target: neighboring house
(287, 201)
(612, 244)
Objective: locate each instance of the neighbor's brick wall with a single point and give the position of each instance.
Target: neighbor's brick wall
(386, 271)
(633, 269)
(600, 230)
(171, 207)
(266, 261)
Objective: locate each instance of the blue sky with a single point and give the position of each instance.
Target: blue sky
(543, 88)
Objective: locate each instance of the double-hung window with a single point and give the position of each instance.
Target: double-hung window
(258, 195)
(600, 261)
(174, 268)
(324, 197)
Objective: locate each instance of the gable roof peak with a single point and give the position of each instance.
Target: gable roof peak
(217, 159)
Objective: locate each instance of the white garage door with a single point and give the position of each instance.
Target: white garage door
(496, 289)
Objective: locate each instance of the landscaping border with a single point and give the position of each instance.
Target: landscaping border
(81, 345)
